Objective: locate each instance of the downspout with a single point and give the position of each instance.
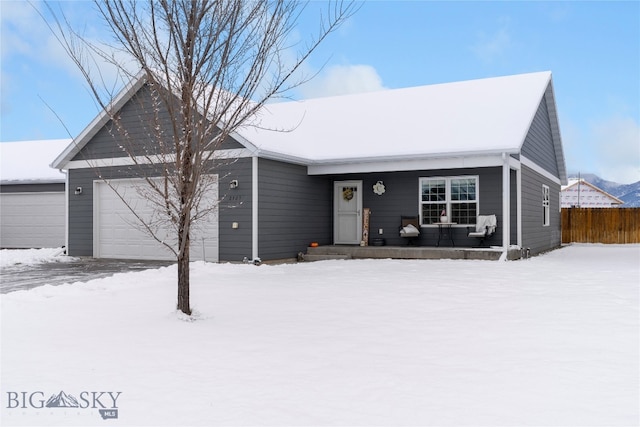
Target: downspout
(506, 207)
(519, 205)
(66, 211)
(254, 209)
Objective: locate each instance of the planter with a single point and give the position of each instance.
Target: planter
(378, 241)
(444, 219)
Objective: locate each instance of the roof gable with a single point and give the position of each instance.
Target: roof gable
(579, 188)
(78, 143)
(550, 99)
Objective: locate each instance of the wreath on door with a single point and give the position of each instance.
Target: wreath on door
(347, 193)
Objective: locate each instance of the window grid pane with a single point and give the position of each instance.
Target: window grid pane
(434, 190)
(431, 212)
(463, 189)
(464, 213)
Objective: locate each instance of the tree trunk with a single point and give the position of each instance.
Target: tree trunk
(183, 268)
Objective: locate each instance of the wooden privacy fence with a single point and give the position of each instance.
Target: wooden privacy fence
(601, 225)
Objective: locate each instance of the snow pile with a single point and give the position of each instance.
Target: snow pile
(548, 341)
(10, 257)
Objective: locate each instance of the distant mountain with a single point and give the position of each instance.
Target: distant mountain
(628, 193)
(62, 400)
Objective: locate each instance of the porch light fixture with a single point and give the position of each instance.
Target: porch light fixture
(78, 191)
(233, 184)
(379, 188)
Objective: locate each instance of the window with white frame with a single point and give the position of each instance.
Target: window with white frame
(545, 205)
(456, 196)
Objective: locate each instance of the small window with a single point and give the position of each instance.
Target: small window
(545, 205)
(456, 196)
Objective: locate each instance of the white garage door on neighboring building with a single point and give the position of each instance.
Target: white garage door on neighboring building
(119, 234)
(32, 220)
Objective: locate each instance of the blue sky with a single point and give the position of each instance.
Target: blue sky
(592, 48)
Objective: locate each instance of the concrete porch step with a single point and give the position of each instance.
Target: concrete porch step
(323, 257)
(403, 252)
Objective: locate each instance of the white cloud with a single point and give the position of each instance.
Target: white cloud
(342, 80)
(27, 38)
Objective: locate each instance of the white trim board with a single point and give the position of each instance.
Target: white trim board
(407, 165)
(146, 160)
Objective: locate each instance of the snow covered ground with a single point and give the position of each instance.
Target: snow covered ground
(553, 340)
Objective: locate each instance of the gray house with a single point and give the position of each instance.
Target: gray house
(482, 147)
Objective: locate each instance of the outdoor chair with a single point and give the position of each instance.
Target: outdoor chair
(410, 229)
(485, 227)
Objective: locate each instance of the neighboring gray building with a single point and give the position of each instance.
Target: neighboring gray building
(32, 195)
(481, 147)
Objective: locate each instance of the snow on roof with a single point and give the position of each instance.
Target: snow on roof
(470, 117)
(28, 161)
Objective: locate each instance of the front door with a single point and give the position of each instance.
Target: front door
(347, 207)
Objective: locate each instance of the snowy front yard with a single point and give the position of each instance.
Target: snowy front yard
(549, 341)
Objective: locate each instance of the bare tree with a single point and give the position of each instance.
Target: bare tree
(210, 66)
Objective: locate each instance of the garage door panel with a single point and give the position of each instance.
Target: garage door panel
(32, 220)
(119, 234)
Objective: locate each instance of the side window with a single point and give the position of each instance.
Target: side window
(545, 205)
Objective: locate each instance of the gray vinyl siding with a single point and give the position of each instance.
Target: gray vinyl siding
(235, 206)
(139, 118)
(295, 209)
(538, 144)
(80, 226)
(402, 198)
(57, 187)
(536, 236)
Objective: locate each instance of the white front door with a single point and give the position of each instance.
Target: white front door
(347, 208)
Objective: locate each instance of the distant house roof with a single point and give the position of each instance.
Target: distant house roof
(470, 118)
(24, 162)
(580, 193)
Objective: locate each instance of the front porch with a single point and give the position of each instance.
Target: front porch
(407, 252)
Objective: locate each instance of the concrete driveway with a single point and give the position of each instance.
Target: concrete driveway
(20, 277)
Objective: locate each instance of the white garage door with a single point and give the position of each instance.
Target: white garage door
(32, 220)
(119, 234)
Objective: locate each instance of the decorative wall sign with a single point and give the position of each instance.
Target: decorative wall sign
(365, 227)
(379, 188)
